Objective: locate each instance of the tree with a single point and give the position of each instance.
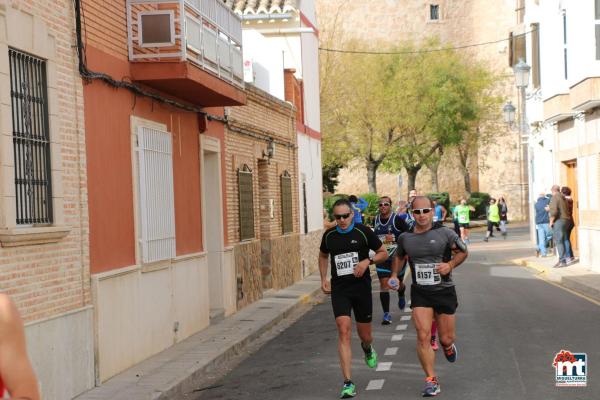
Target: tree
(442, 109)
(361, 109)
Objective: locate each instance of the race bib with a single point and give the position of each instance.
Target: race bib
(462, 219)
(345, 263)
(427, 275)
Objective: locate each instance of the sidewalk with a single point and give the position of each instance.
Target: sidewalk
(576, 277)
(173, 372)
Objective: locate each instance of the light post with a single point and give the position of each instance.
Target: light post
(521, 70)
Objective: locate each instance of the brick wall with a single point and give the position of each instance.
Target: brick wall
(263, 116)
(50, 279)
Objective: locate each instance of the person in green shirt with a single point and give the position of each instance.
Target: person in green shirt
(462, 213)
(493, 218)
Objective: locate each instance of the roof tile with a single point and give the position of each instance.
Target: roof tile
(244, 7)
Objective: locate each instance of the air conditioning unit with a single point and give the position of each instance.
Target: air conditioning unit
(156, 28)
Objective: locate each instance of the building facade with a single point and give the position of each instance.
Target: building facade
(155, 138)
(288, 28)
(495, 168)
(262, 195)
(44, 258)
(563, 115)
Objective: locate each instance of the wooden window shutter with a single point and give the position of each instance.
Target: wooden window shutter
(286, 203)
(246, 197)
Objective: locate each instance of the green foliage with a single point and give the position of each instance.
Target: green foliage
(442, 198)
(479, 201)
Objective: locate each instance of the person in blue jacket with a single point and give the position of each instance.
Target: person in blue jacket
(358, 205)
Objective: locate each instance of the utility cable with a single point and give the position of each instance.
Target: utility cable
(368, 52)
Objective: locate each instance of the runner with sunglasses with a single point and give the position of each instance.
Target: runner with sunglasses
(433, 252)
(348, 245)
(388, 226)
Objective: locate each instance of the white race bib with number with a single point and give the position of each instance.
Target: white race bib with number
(427, 274)
(345, 263)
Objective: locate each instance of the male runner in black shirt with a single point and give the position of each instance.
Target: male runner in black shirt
(348, 245)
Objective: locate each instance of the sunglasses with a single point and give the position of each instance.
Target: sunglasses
(342, 216)
(383, 204)
(420, 211)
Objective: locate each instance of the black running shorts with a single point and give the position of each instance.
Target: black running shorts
(466, 226)
(354, 297)
(442, 301)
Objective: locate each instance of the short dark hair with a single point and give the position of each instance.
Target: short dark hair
(565, 190)
(352, 198)
(342, 202)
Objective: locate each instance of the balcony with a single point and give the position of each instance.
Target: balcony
(191, 49)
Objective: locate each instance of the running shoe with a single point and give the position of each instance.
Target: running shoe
(485, 239)
(432, 387)
(451, 353)
(387, 318)
(348, 391)
(371, 358)
(401, 299)
(434, 343)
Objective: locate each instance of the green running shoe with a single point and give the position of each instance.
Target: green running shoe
(348, 390)
(371, 358)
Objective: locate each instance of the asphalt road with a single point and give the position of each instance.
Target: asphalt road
(510, 325)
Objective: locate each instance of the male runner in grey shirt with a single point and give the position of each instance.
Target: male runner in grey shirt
(432, 255)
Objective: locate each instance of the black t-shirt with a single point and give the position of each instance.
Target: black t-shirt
(347, 250)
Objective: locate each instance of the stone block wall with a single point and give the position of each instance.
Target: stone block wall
(309, 251)
(284, 255)
(248, 262)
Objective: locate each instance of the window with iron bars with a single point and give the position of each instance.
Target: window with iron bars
(287, 224)
(31, 138)
(246, 197)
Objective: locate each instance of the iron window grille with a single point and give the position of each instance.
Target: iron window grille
(246, 195)
(286, 203)
(31, 138)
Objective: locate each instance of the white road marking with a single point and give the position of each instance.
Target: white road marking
(391, 351)
(397, 338)
(384, 366)
(405, 318)
(375, 384)
(401, 327)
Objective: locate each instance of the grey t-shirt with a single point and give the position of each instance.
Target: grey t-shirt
(424, 250)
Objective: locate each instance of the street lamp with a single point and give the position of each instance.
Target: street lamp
(509, 113)
(521, 70)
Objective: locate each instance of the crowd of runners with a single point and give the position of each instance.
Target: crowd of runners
(410, 238)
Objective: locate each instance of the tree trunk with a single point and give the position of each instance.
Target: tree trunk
(467, 178)
(464, 161)
(372, 175)
(412, 177)
(433, 168)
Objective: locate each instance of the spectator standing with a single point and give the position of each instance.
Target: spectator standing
(559, 220)
(358, 206)
(503, 208)
(566, 192)
(542, 224)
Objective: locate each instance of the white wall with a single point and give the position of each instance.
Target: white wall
(310, 77)
(61, 350)
(137, 309)
(309, 159)
(267, 66)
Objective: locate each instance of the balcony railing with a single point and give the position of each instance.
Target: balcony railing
(205, 32)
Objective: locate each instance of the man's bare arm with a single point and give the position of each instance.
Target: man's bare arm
(15, 369)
